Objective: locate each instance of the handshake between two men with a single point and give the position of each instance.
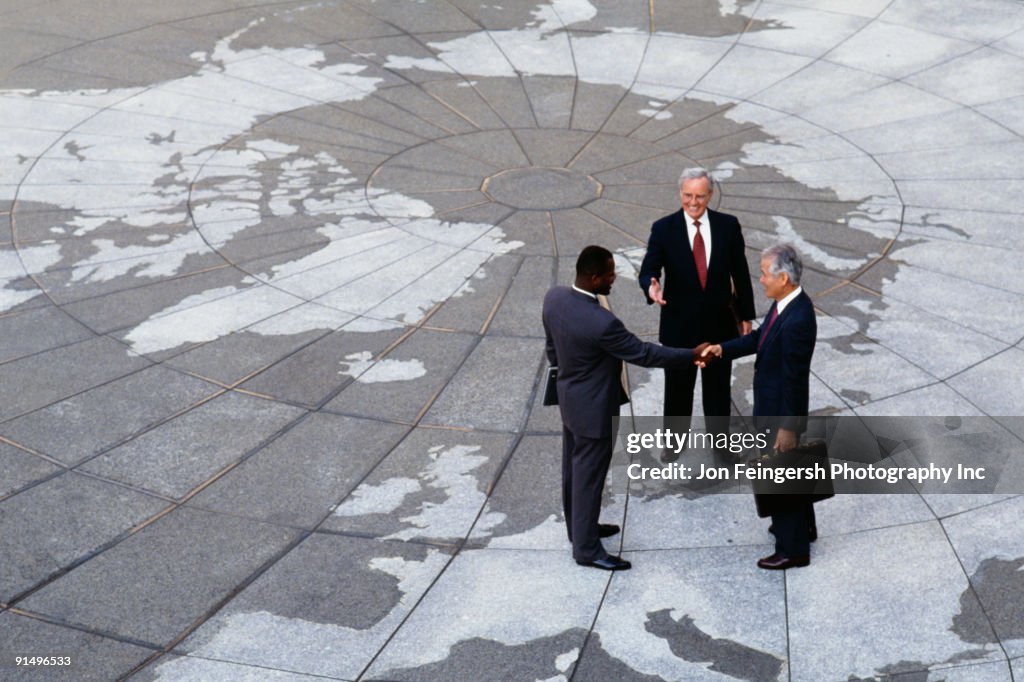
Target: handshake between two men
(706, 353)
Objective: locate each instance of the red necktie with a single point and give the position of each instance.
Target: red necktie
(767, 326)
(700, 259)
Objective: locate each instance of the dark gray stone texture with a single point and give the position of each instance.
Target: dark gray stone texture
(158, 582)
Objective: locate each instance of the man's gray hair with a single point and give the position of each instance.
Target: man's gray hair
(784, 258)
(694, 174)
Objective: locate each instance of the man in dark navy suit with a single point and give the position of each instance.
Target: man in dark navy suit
(702, 254)
(784, 344)
(588, 344)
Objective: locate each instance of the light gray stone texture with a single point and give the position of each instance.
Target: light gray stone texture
(673, 620)
(543, 597)
(431, 487)
(904, 605)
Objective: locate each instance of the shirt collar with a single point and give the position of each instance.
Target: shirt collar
(703, 218)
(585, 292)
(781, 305)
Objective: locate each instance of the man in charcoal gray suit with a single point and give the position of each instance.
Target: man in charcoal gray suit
(588, 344)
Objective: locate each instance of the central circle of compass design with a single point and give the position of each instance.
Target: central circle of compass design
(542, 188)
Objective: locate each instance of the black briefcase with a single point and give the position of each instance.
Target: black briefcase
(551, 387)
(771, 497)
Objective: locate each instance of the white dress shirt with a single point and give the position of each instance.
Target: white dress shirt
(705, 232)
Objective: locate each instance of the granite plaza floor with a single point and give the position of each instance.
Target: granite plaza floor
(270, 341)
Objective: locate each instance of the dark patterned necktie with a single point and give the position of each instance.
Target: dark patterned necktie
(700, 258)
(767, 326)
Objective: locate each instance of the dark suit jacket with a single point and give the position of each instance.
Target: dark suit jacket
(783, 367)
(691, 315)
(588, 344)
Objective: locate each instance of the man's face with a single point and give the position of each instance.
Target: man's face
(604, 282)
(695, 195)
(774, 285)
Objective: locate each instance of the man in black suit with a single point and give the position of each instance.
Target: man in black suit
(784, 344)
(588, 344)
(702, 254)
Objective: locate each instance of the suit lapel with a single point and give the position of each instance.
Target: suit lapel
(783, 316)
(774, 330)
(717, 241)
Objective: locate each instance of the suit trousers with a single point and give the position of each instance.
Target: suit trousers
(715, 379)
(585, 464)
(790, 528)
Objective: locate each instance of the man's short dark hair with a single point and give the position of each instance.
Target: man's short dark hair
(593, 260)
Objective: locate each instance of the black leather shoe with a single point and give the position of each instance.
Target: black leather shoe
(668, 456)
(606, 530)
(609, 563)
(780, 562)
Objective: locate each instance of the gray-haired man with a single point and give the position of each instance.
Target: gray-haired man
(702, 254)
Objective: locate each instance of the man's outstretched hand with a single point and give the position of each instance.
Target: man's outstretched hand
(654, 292)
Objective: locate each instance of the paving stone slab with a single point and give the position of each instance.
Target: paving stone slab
(577, 228)
(132, 304)
(508, 98)
(298, 478)
(93, 658)
(157, 583)
(673, 620)
(519, 313)
(461, 95)
(489, 597)
(923, 617)
(498, 374)
(986, 543)
(55, 326)
(310, 374)
(325, 609)
(432, 487)
(239, 355)
(20, 469)
(936, 399)
(402, 384)
(39, 380)
(182, 668)
(179, 455)
(528, 500)
(50, 526)
(83, 425)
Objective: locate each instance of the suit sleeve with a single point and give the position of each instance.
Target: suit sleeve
(741, 275)
(619, 342)
(549, 346)
(741, 345)
(796, 372)
(652, 264)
